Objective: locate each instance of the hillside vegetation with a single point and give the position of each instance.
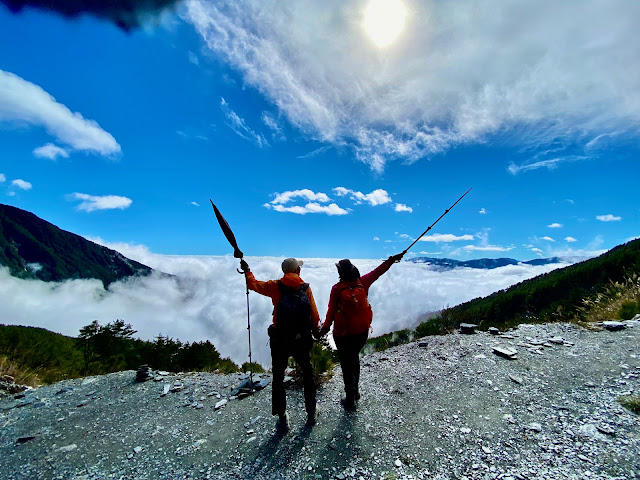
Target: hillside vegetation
(35, 355)
(601, 288)
(34, 248)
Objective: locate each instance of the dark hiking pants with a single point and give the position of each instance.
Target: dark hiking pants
(281, 350)
(349, 348)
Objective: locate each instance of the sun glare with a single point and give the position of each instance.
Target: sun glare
(384, 20)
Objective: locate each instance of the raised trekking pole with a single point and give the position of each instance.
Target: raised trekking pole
(237, 253)
(430, 226)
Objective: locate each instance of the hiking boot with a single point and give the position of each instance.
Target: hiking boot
(312, 418)
(282, 424)
(349, 406)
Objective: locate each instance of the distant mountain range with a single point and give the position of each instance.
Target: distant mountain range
(34, 248)
(489, 263)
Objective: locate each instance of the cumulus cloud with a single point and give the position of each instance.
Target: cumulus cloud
(377, 197)
(311, 207)
(376, 239)
(608, 218)
(206, 297)
(50, 151)
(441, 84)
(445, 237)
(555, 225)
(401, 207)
(22, 102)
(286, 197)
(548, 239)
(90, 203)
(239, 126)
(482, 211)
(570, 239)
(21, 184)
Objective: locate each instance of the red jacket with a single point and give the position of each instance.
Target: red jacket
(271, 289)
(340, 328)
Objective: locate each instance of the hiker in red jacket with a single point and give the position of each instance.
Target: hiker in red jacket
(351, 314)
(295, 320)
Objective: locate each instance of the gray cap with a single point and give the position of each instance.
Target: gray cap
(290, 265)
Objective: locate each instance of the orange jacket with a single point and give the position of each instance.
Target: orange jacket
(271, 289)
(340, 328)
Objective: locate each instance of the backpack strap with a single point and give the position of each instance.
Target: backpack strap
(286, 289)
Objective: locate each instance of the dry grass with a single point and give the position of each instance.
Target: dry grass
(21, 375)
(608, 304)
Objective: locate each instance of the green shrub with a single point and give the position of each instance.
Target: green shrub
(254, 367)
(226, 365)
(628, 309)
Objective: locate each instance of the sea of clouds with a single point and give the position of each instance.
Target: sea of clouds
(205, 298)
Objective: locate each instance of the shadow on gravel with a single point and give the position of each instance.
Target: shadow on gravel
(280, 450)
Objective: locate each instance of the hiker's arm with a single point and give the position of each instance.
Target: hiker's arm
(268, 289)
(315, 318)
(331, 312)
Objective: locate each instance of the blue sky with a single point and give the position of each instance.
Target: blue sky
(314, 141)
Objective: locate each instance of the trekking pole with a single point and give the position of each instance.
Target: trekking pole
(237, 253)
(430, 226)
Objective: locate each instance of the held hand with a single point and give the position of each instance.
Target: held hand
(244, 266)
(396, 258)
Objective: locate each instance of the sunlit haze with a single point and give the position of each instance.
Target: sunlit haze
(384, 20)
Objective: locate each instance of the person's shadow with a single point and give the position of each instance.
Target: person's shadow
(277, 453)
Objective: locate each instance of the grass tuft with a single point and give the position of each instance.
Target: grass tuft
(630, 402)
(21, 375)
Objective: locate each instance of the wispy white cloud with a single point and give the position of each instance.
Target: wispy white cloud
(195, 204)
(193, 58)
(550, 164)
(548, 239)
(535, 249)
(608, 218)
(50, 151)
(555, 225)
(401, 207)
(376, 239)
(445, 237)
(276, 131)
(21, 184)
(570, 239)
(442, 84)
(487, 248)
(377, 197)
(239, 126)
(423, 252)
(3, 178)
(315, 152)
(22, 102)
(482, 211)
(90, 203)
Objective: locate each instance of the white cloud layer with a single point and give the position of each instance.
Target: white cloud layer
(286, 197)
(487, 248)
(50, 151)
(206, 299)
(91, 203)
(24, 102)
(375, 198)
(537, 71)
(311, 207)
(445, 237)
(608, 218)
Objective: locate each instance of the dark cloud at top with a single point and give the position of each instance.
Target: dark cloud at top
(126, 14)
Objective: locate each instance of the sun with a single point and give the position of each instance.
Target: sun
(384, 20)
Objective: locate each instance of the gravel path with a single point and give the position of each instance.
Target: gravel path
(449, 409)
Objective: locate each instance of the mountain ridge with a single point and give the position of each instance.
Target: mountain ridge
(33, 248)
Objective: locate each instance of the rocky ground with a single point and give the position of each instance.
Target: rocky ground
(443, 407)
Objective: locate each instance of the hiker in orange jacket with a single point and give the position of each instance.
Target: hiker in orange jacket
(283, 344)
(350, 313)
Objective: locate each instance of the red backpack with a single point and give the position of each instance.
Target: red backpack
(353, 304)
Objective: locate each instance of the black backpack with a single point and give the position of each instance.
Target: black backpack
(293, 314)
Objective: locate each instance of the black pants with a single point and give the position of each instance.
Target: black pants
(281, 350)
(349, 348)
